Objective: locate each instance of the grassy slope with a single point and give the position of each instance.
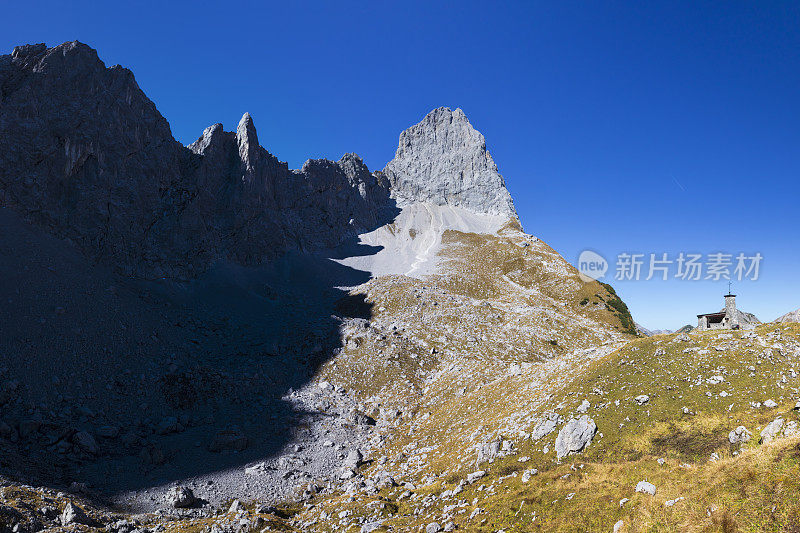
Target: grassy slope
(442, 347)
(754, 490)
(439, 351)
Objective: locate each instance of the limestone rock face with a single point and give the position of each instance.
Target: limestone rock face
(443, 160)
(84, 153)
(248, 193)
(247, 140)
(746, 319)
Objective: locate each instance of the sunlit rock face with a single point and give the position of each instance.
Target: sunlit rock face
(443, 160)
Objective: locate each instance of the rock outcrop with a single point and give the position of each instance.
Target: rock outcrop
(257, 204)
(746, 319)
(443, 160)
(84, 153)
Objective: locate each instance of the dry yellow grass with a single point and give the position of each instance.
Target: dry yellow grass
(751, 490)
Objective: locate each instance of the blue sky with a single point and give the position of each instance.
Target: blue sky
(650, 127)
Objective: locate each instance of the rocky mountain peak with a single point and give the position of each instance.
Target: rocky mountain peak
(443, 160)
(247, 140)
(212, 135)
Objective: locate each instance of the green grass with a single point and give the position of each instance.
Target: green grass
(616, 304)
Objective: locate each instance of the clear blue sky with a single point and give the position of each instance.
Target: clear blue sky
(619, 126)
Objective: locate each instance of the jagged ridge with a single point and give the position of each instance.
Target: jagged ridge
(85, 153)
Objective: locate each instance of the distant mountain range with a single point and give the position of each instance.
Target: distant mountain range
(792, 316)
(649, 333)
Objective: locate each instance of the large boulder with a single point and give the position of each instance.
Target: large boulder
(576, 435)
(642, 399)
(72, 514)
(646, 487)
(488, 451)
(85, 442)
(354, 459)
(181, 497)
(740, 435)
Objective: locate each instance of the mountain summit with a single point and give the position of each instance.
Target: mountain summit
(443, 160)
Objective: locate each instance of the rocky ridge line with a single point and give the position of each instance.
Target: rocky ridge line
(85, 154)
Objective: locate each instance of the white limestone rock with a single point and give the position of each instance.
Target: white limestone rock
(773, 429)
(180, 497)
(792, 316)
(475, 476)
(646, 487)
(369, 527)
(584, 407)
(546, 425)
(443, 160)
(354, 459)
(740, 435)
(488, 451)
(72, 514)
(576, 435)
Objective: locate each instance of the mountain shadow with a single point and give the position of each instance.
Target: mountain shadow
(171, 381)
(164, 306)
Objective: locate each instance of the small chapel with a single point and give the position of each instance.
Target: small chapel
(728, 318)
